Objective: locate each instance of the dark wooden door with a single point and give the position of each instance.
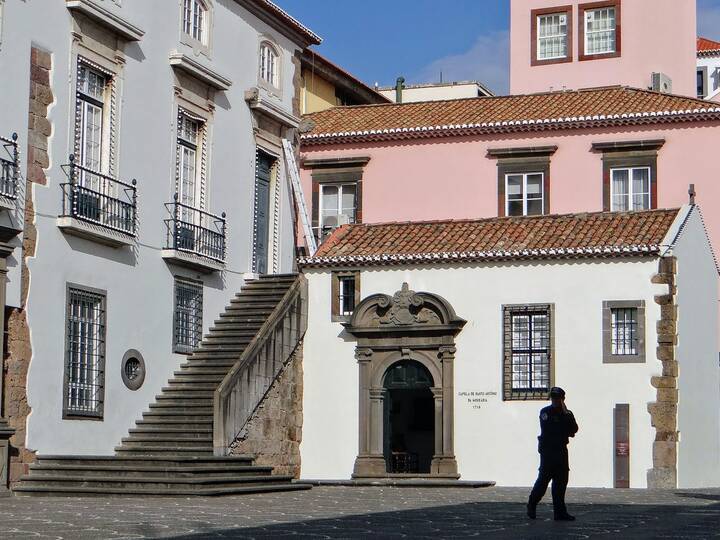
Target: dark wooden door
(622, 445)
(262, 211)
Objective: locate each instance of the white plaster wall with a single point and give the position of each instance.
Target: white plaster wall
(138, 282)
(496, 441)
(713, 75)
(435, 93)
(698, 370)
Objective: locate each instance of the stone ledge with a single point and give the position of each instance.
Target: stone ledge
(401, 482)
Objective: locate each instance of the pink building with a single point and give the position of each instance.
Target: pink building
(611, 149)
(572, 44)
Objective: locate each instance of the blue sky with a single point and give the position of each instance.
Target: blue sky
(378, 40)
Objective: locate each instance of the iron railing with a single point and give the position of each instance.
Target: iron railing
(99, 199)
(9, 167)
(195, 231)
(259, 365)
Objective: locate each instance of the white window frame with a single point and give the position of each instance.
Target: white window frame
(587, 33)
(190, 26)
(343, 282)
(269, 74)
(340, 186)
(83, 103)
(524, 192)
(630, 192)
(183, 146)
(554, 36)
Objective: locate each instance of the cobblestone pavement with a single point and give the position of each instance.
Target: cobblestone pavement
(371, 512)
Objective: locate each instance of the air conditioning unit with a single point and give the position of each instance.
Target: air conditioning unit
(342, 219)
(661, 83)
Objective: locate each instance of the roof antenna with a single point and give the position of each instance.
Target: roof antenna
(440, 77)
(691, 192)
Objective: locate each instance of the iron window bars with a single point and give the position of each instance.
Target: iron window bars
(85, 353)
(9, 167)
(624, 332)
(195, 231)
(187, 316)
(99, 199)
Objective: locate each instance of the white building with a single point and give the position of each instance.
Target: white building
(619, 309)
(173, 114)
(436, 91)
(708, 69)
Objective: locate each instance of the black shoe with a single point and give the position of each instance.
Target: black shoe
(564, 517)
(531, 511)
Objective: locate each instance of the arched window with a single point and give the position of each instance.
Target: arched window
(269, 64)
(195, 20)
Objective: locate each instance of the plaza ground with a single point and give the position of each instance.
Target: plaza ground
(367, 512)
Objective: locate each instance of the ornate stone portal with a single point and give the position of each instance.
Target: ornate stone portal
(389, 329)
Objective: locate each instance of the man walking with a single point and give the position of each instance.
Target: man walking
(557, 424)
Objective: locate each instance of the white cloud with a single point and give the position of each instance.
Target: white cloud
(708, 20)
(487, 61)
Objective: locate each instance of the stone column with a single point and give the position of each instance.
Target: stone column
(370, 460)
(437, 393)
(445, 464)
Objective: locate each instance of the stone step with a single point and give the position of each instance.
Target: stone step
(178, 443)
(167, 460)
(252, 307)
(242, 315)
(140, 471)
(169, 422)
(162, 449)
(149, 482)
(204, 371)
(189, 386)
(183, 395)
(194, 379)
(173, 404)
(139, 492)
(219, 354)
(247, 300)
(193, 415)
(181, 432)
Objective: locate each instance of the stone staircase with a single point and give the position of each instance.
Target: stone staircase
(170, 450)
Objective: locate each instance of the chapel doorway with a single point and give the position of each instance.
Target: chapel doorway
(409, 418)
(263, 172)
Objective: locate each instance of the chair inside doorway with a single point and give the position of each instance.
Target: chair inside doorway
(409, 434)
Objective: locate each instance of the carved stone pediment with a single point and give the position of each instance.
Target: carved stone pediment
(406, 307)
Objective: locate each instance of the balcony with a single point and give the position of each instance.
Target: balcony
(98, 207)
(195, 238)
(9, 171)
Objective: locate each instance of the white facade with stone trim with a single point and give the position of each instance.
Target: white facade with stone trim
(496, 439)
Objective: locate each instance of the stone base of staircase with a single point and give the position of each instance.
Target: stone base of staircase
(150, 476)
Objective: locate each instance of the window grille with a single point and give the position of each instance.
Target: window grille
(85, 354)
(347, 295)
(630, 188)
(269, 65)
(552, 36)
(600, 31)
(528, 351)
(624, 331)
(195, 20)
(524, 194)
(187, 319)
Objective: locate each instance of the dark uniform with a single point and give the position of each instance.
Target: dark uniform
(556, 426)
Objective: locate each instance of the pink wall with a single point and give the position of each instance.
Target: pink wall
(656, 36)
(453, 178)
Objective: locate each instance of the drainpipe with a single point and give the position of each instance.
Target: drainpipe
(399, 85)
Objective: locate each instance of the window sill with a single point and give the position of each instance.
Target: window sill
(200, 71)
(601, 56)
(624, 359)
(192, 261)
(96, 233)
(550, 61)
(106, 18)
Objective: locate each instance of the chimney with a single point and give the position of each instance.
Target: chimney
(399, 85)
(691, 193)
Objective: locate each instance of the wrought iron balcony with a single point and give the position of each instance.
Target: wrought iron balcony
(98, 206)
(9, 167)
(194, 237)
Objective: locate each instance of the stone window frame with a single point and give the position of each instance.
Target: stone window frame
(607, 356)
(198, 47)
(335, 171)
(274, 210)
(567, 10)
(274, 89)
(99, 414)
(621, 154)
(534, 159)
(582, 8)
(137, 382)
(335, 315)
(699, 69)
(199, 285)
(525, 395)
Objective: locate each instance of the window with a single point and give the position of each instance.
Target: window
(189, 132)
(630, 188)
(345, 295)
(187, 318)
(337, 206)
(269, 65)
(701, 82)
(600, 30)
(84, 353)
(92, 93)
(524, 194)
(528, 351)
(195, 20)
(623, 331)
(552, 36)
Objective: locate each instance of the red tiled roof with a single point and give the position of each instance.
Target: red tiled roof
(707, 47)
(594, 107)
(551, 236)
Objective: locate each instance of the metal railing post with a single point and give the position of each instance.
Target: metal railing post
(175, 222)
(73, 187)
(16, 164)
(223, 238)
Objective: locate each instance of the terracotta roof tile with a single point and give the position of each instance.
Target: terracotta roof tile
(707, 47)
(552, 236)
(528, 112)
